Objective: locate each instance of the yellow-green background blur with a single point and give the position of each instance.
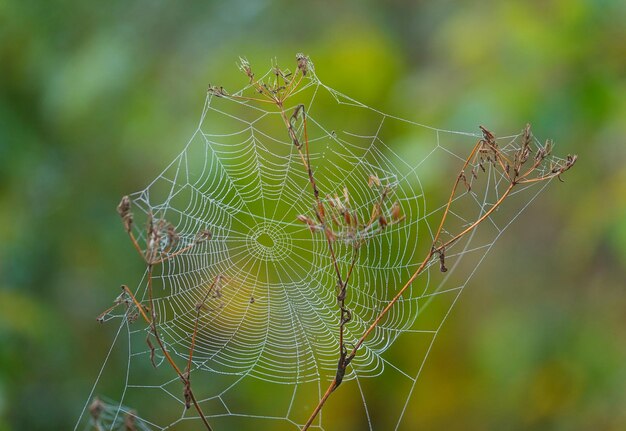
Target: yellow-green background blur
(96, 97)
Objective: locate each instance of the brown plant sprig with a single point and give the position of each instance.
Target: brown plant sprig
(161, 241)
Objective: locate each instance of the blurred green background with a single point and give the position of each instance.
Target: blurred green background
(95, 98)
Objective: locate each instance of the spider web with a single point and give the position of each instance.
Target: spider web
(267, 340)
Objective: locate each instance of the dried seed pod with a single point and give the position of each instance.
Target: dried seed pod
(340, 207)
(123, 209)
(216, 91)
(548, 147)
(373, 179)
(154, 237)
(396, 212)
(303, 63)
(309, 222)
(382, 221)
(347, 218)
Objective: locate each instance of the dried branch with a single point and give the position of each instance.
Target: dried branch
(161, 239)
(485, 151)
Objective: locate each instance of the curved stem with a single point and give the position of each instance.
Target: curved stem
(418, 271)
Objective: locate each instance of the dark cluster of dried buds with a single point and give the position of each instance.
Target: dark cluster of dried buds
(123, 209)
(275, 90)
(339, 221)
(217, 91)
(161, 236)
(162, 244)
(303, 63)
(521, 166)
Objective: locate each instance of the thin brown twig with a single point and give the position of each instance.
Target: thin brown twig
(514, 180)
(170, 360)
(198, 310)
(153, 256)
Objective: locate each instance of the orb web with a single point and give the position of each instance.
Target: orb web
(266, 343)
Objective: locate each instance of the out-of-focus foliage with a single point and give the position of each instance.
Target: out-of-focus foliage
(95, 98)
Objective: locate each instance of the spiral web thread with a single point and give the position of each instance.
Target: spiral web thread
(267, 338)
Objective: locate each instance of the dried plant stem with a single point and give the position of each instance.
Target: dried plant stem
(197, 321)
(177, 253)
(454, 188)
(342, 285)
(333, 385)
(320, 404)
(152, 257)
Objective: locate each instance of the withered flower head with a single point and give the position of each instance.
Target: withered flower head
(216, 91)
(123, 209)
(303, 63)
